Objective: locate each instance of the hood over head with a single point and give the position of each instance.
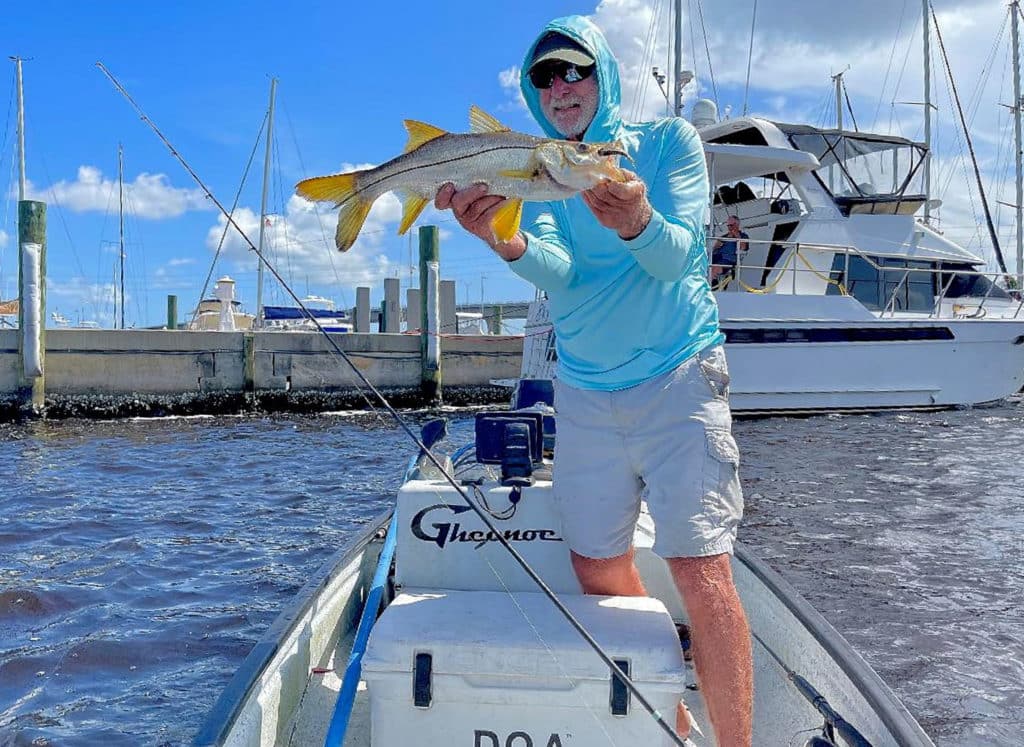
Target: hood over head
(607, 124)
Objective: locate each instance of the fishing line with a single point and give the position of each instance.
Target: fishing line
(424, 451)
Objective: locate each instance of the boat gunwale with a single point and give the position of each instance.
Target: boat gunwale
(222, 716)
(890, 709)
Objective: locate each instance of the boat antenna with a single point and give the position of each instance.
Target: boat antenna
(970, 147)
(424, 450)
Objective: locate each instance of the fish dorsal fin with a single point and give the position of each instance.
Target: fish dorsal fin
(482, 122)
(420, 133)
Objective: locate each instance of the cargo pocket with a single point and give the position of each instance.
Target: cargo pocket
(723, 496)
(715, 371)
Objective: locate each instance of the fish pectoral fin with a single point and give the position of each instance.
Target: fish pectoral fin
(350, 221)
(482, 122)
(505, 223)
(338, 188)
(412, 206)
(420, 133)
(519, 173)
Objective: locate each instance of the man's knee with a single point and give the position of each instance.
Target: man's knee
(617, 575)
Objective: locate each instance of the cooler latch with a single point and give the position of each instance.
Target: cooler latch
(421, 692)
(619, 698)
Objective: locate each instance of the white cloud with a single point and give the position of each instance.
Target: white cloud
(4, 238)
(80, 300)
(300, 242)
(148, 196)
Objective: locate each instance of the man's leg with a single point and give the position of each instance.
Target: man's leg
(721, 644)
(616, 576)
(619, 577)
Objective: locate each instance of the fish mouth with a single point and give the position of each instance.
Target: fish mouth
(615, 150)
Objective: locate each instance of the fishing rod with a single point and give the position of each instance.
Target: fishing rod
(424, 450)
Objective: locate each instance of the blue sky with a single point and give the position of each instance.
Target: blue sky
(348, 74)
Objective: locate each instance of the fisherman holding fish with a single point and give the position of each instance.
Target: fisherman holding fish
(642, 389)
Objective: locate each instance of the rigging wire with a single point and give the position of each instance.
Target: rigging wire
(227, 224)
(888, 69)
(693, 38)
(899, 79)
(646, 57)
(970, 146)
(849, 107)
(750, 57)
(424, 451)
(316, 211)
(707, 49)
(63, 220)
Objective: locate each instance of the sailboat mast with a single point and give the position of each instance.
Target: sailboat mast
(21, 131)
(1015, 12)
(838, 80)
(927, 112)
(120, 213)
(677, 107)
(263, 202)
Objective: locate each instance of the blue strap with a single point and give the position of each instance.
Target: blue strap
(354, 668)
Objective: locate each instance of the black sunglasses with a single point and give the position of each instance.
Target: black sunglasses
(543, 76)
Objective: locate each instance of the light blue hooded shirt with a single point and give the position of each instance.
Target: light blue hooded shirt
(624, 312)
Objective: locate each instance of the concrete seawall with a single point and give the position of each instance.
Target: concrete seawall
(110, 373)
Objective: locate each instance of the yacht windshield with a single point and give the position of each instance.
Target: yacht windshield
(864, 166)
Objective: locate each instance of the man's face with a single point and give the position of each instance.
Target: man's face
(570, 107)
(733, 225)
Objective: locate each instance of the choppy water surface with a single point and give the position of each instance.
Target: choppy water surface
(140, 560)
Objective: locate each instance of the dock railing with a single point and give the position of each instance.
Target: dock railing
(788, 265)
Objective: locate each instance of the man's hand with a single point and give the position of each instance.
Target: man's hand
(621, 206)
(474, 208)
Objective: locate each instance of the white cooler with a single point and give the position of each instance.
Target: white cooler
(493, 669)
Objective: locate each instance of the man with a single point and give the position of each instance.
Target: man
(725, 253)
(642, 387)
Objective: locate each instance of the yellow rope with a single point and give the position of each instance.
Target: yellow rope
(781, 271)
(826, 278)
(771, 286)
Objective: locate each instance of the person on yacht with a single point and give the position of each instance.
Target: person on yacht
(642, 389)
(727, 250)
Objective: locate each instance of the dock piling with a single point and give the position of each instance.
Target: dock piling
(430, 338)
(32, 303)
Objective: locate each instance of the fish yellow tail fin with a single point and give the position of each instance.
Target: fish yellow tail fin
(337, 188)
(340, 189)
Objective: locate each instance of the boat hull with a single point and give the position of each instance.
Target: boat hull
(283, 695)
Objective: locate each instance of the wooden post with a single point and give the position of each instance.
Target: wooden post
(362, 309)
(413, 310)
(32, 302)
(249, 355)
(172, 312)
(430, 338)
(392, 308)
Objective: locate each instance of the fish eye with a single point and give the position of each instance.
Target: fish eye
(582, 148)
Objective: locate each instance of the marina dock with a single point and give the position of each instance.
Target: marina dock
(116, 373)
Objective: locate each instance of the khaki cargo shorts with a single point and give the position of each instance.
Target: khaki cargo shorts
(667, 441)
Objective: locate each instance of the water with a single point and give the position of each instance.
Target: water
(140, 560)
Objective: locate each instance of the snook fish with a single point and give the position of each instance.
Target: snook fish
(520, 167)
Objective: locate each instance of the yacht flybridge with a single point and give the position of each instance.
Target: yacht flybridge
(844, 299)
